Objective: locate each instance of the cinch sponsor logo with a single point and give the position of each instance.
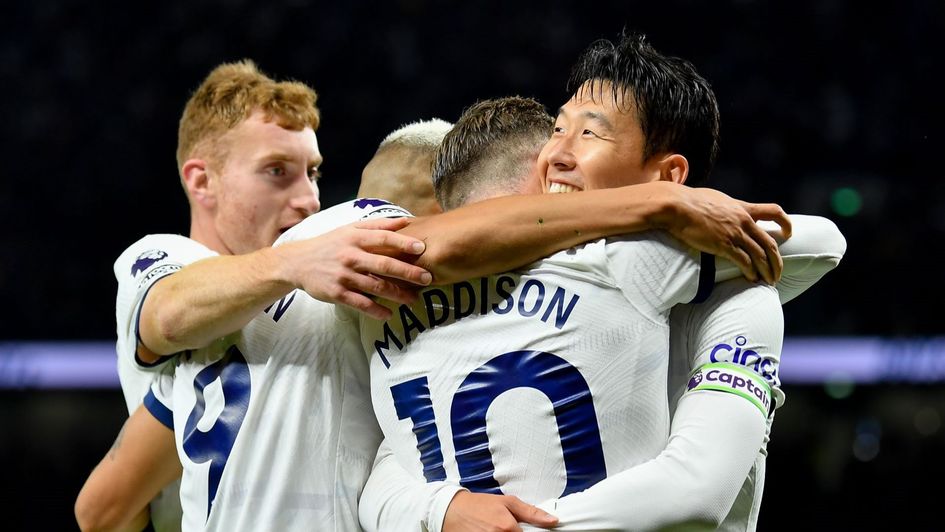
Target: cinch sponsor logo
(146, 259)
(364, 203)
(745, 357)
(733, 381)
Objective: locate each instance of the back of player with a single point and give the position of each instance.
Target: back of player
(534, 383)
(272, 424)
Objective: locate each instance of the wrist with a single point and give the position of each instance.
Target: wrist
(274, 267)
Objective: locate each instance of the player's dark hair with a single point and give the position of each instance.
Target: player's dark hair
(676, 107)
(490, 148)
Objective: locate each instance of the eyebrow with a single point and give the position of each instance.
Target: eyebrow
(281, 156)
(591, 115)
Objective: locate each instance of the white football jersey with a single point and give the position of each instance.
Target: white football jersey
(704, 334)
(136, 270)
(545, 380)
(273, 424)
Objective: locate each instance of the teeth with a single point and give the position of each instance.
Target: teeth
(561, 188)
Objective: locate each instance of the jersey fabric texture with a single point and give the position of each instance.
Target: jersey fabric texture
(534, 383)
(273, 424)
(691, 481)
(144, 263)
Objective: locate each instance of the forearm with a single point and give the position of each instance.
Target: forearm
(209, 299)
(714, 442)
(142, 461)
(505, 233)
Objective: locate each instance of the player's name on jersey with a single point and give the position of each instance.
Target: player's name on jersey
(503, 294)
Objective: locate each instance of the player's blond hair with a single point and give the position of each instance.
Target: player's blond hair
(422, 134)
(229, 95)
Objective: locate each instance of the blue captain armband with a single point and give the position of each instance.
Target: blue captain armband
(734, 379)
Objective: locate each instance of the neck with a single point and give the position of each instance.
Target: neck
(203, 230)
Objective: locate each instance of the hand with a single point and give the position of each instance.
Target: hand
(711, 221)
(352, 262)
(480, 512)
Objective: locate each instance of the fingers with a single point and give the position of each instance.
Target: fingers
(364, 304)
(526, 513)
(373, 285)
(759, 259)
(770, 246)
(386, 241)
(384, 266)
(772, 212)
(741, 259)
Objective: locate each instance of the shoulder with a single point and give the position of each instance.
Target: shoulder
(154, 251)
(340, 215)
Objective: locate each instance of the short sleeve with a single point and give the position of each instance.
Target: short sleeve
(143, 264)
(159, 399)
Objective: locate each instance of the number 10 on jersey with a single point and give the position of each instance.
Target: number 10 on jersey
(550, 374)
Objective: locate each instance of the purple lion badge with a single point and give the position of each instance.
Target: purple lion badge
(146, 259)
(364, 203)
(694, 380)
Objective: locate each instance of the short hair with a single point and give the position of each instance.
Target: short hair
(489, 150)
(676, 107)
(400, 169)
(229, 95)
(423, 134)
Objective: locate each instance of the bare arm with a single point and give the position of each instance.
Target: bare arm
(216, 296)
(141, 462)
(505, 233)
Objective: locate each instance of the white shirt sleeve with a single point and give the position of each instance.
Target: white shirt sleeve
(393, 499)
(159, 399)
(815, 247)
(137, 269)
(715, 437)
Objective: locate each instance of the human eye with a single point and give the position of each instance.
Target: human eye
(589, 132)
(314, 174)
(275, 170)
(559, 129)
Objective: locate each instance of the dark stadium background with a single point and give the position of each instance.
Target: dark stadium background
(828, 107)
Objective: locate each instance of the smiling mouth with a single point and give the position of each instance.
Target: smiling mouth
(561, 188)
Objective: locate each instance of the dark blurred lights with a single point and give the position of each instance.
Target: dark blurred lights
(839, 386)
(846, 201)
(866, 443)
(927, 421)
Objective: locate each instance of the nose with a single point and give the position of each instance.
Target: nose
(305, 197)
(559, 153)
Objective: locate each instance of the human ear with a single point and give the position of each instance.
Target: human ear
(674, 167)
(197, 182)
